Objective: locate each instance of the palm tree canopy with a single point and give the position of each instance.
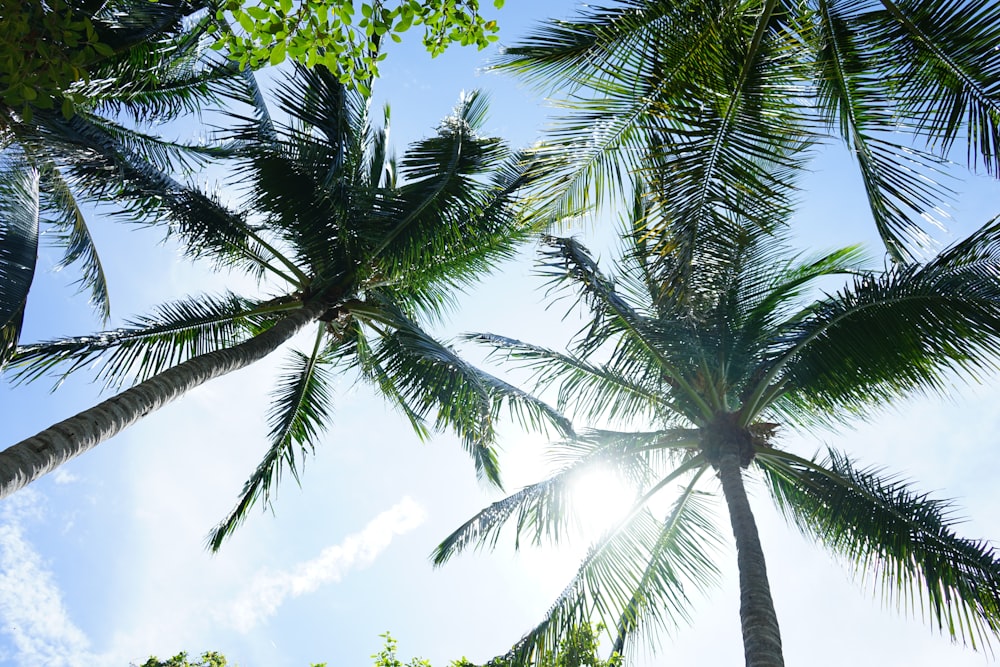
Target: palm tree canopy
(686, 372)
(370, 244)
(701, 93)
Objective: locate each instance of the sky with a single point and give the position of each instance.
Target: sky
(103, 562)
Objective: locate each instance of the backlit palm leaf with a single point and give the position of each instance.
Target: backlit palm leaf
(902, 183)
(701, 98)
(714, 362)
(428, 377)
(302, 402)
(149, 344)
(635, 574)
(71, 232)
(902, 538)
(943, 55)
(944, 315)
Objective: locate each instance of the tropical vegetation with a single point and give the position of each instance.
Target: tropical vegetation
(74, 128)
(579, 649)
(707, 345)
(689, 98)
(348, 244)
(700, 116)
(700, 374)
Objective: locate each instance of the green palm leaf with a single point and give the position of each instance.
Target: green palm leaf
(593, 390)
(944, 315)
(150, 344)
(426, 377)
(544, 511)
(942, 54)
(71, 232)
(634, 576)
(646, 348)
(901, 182)
(18, 243)
(440, 199)
(683, 554)
(302, 402)
(691, 89)
(904, 539)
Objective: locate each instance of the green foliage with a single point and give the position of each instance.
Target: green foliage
(334, 33)
(208, 659)
(707, 93)
(578, 649)
(693, 366)
(44, 49)
(71, 110)
(364, 258)
(387, 656)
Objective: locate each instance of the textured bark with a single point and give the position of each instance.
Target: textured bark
(761, 637)
(33, 457)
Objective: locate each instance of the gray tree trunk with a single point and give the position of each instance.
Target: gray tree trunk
(33, 457)
(761, 637)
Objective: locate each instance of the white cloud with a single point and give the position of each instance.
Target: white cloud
(269, 589)
(61, 476)
(34, 618)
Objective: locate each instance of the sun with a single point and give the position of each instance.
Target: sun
(600, 498)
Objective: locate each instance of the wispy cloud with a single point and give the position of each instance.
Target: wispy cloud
(269, 589)
(34, 618)
(61, 476)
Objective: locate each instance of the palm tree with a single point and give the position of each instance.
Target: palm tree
(349, 244)
(699, 377)
(87, 140)
(692, 95)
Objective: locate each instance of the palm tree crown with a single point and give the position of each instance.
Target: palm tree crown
(704, 373)
(355, 245)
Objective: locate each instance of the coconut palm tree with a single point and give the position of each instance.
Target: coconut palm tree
(90, 140)
(698, 380)
(708, 89)
(351, 246)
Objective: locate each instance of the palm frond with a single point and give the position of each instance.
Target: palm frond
(169, 71)
(638, 456)
(641, 558)
(642, 344)
(894, 333)
(165, 155)
(150, 344)
(473, 235)
(544, 512)
(438, 203)
(902, 183)
(301, 407)
(595, 391)
(353, 349)
(682, 555)
(71, 232)
(902, 538)
(428, 377)
(605, 60)
(19, 208)
(941, 56)
(102, 168)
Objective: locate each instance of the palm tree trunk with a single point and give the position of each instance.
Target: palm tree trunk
(33, 457)
(761, 637)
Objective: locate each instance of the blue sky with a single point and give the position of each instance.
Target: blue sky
(103, 562)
